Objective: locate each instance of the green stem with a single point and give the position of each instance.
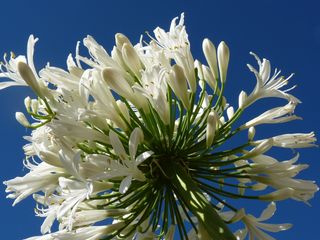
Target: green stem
(191, 195)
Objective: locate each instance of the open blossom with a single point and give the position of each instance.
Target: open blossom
(255, 228)
(138, 143)
(275, 115)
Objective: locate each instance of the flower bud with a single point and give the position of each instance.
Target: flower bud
(251, 133)
(131, 59)
(223, 60)
(123, 110)
(28, 76)
(209, 78)
(117, 83)
(21, 118)
(178, 83)
(210, 53)
(262, 147)
(278, 195)
(242, 99)
(211, 128)
(27, 103)
(121, 39)
(198, 66)
(34, 105)
(230, 112)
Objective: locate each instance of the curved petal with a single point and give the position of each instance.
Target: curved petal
(136, 138)
(125, 184)
(117, 146)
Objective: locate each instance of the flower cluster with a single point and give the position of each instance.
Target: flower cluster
(132, 144)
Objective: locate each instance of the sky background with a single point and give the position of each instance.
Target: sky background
(286, 32)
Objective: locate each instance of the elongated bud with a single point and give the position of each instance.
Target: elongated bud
(178, 83)
(230, 112)
(21, 118)
(223, 60)
(123, 110)
(27, 103)
(278, 195)
(198, 66)
(28, 76)
(122, 39)
(131, 59)
(262, 147)
(211, 128)
(242, 99)
(210, 53)
(34, 105)
(209, 78)
(251, 133)
(117, 83)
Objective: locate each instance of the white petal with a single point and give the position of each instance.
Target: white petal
(117, 145)
(268, 212)
(143, 156)
(125, 184)
(136, 138)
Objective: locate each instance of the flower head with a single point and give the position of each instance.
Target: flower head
(139, 144)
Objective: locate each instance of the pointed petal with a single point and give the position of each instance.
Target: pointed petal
(142, 157)
(117, 146)
(268, 212)
(125, 184)
(136, 138)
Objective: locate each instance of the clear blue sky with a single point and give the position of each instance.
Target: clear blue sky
(286, 32)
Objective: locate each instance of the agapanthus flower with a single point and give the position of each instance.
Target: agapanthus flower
(139, 143)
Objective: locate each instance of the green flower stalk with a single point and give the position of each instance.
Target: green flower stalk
(133, 145)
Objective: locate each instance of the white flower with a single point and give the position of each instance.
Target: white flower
(85, 233)
(303, 190)
(295, 140)
(177, 46)
(42, 177)
(255, 226)
(268, 86)
(274, 115)
(11, 67)
(154, 87)
(130, 166)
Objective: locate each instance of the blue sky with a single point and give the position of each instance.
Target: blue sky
(286, 32)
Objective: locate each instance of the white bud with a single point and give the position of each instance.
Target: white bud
(262, 147)
(210, 53)
(223, 60)
(242, 99)
(28, 76)
(27, 102)
(121, 39)
(278, 195)
(211, 128)
(21, 118)
(117, 83)
(178, 83)
(123, 110)
(131, 59)
(208, 77)
(230, 112)
(198, 66)
(251, 133)
(34, 105)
